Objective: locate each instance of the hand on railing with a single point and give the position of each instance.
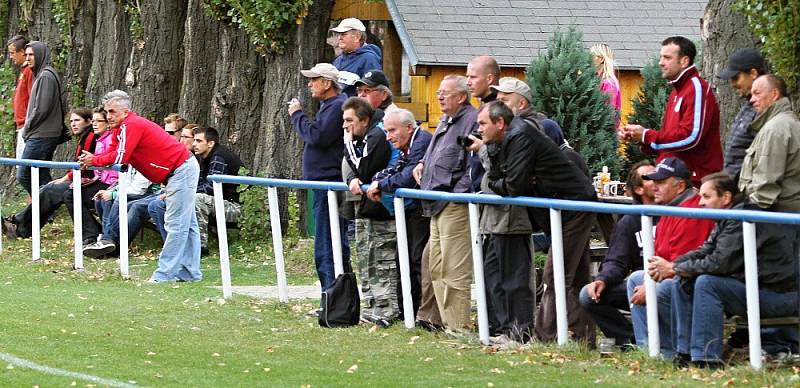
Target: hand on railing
(86, 159)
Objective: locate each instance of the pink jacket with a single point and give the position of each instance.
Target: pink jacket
(102, 146)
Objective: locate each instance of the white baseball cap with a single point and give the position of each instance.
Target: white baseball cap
(349, 24)
(324, 70)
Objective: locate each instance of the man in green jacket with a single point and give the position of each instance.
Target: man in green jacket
(770, 175)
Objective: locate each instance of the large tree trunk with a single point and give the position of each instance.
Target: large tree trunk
(187, 62)
(724, 31)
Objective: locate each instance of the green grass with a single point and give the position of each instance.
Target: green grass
(96, 323)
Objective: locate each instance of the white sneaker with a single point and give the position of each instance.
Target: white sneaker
(100, 248)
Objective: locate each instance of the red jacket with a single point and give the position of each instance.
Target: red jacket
(145, 146)
(21, 95)
(690, 130)
(676, 235)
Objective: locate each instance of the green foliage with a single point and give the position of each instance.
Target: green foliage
(8, 135)
(62, 14)
(254, 219)
(267, 22)
(131, 8)
(776, 23)
(566, 88)
(648, 106)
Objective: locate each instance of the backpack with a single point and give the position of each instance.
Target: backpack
(340, 304)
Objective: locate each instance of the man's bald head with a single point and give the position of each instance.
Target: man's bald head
(482, 72)
(767, 89)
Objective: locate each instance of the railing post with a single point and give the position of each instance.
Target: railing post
(336, 239)
(35, 222)
(222, 236)
(2, 202)
(77, 215)
(277, 243)
(477, 267)
(405, 268)
(751, 287)
(122, 201)
(651, 296)
(557, 245)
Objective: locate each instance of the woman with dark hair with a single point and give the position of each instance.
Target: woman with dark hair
(51, 195)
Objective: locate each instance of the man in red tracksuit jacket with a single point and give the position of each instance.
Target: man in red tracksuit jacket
(690, 130)
(160, 158)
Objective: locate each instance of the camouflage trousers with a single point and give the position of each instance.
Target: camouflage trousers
(376, 246)
(204, 207)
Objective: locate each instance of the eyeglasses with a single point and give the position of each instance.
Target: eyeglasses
(442, 94)
(365, 90)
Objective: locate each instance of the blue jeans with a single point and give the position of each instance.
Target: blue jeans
(639, 314)
(702, 315)
(180, 256)
(137, 214)
(157, 208)
(38, 149)
(323, 248)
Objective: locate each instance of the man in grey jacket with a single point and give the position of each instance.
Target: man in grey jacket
(44, 122)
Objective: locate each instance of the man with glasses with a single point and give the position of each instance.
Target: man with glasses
(357, 56)
(173, 124)
(374, 87)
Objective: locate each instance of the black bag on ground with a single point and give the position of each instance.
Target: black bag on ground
(340, 304)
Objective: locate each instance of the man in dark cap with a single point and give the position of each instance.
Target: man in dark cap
(374, 87)
(744, 66)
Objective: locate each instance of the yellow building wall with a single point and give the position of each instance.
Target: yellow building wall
(360, 9)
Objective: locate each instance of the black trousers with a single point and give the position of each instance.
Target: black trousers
(506, 272)
(418, 230)
(51, 196)
(91, 228)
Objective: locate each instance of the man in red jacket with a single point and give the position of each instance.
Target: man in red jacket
(690, 130)
(161, 159)
(16, 52)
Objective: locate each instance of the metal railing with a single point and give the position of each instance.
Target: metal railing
(36, 239)
(555, 206)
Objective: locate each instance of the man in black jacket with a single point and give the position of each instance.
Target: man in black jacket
(367, 152)
(712, 277)
(607, 294)
(527, 163)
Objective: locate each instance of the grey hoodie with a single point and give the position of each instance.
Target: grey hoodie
(45, 116)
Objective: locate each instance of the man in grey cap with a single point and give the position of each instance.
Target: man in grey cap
(322, 160)
(744, 66)
(358, 57)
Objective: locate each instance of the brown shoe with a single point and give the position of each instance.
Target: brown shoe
(10, 229)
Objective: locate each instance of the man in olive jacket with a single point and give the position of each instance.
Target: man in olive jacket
(712, 277)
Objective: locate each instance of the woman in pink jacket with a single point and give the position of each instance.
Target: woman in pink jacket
(604, 63)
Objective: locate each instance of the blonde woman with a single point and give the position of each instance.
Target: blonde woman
(604, 63)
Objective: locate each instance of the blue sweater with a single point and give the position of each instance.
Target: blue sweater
(324, 142)
(360, 61)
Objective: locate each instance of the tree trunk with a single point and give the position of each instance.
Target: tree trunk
(724, 31)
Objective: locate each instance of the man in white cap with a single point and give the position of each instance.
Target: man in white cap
(322, 160)
(358, 57)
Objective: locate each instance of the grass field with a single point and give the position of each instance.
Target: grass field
(80, 327)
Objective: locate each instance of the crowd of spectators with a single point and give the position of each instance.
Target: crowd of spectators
(503, 146)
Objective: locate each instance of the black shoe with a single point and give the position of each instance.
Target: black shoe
(681, 360)
(374, 319)
(712, 365)
(431, 327)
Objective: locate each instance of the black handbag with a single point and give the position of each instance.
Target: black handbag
(340, 303)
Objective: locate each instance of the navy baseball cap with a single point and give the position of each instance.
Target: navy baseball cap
(373, 78)
(669, 167)
(743, 60)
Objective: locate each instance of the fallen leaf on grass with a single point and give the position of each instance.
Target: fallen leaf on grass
(215, 354)
(497, 370)
(413, 340)
(490, 384)
(151, 353)
(634, 368)
(428, 359)
(352, 369)
(266, 369)
(729, 383)
(373, 329)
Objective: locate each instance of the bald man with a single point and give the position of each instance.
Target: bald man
(770, 175)
(483, 72)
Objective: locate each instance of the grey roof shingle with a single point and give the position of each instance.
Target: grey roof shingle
(451, 32)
